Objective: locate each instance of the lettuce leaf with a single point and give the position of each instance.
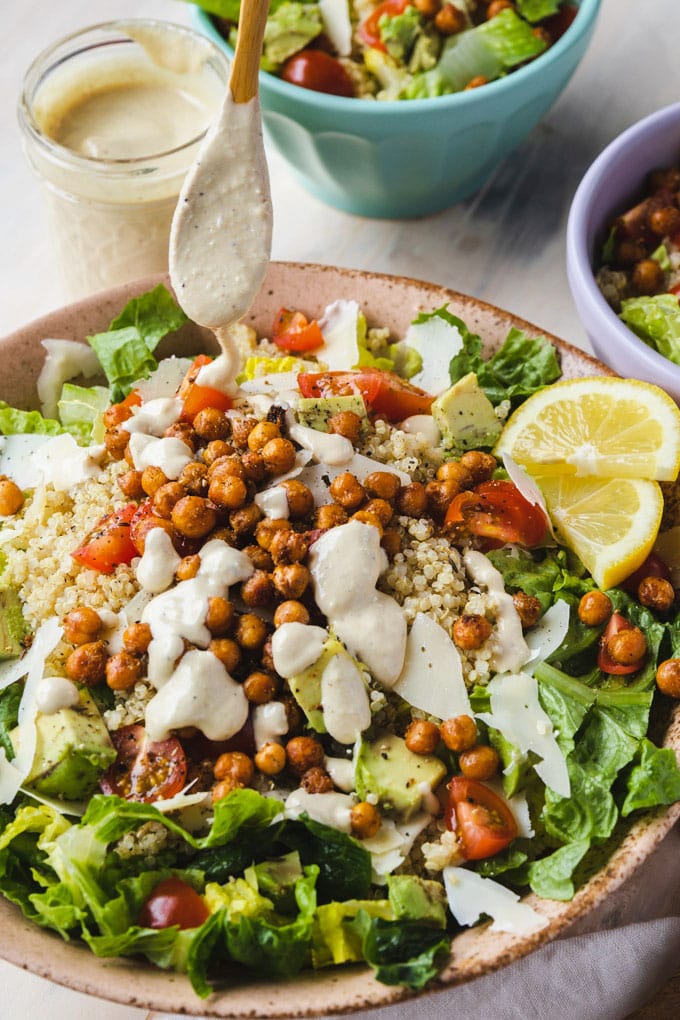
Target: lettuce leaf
(519, 368)
(656, 320)
(654, 779)
(401, 952)
(551, 876)
(16, 422)
(81, 409)
(537, 10)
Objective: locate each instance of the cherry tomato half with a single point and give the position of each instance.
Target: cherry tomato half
(369, 29)
(605, 662)
(653, 566)
(385, 394)
(145, 770)
(482, 819)
(109, 543)
(196, 398)
(318, 71)
(173, 902)
(497, 510)
(292, 332)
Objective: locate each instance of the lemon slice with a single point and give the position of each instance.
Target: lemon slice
(611, 524)
(607, 427)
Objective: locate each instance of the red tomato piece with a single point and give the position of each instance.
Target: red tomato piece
(385, 394)
(369, 29)
(653, 566)
(173, 902)
(605, 662)
(196, 398)
(481, 818)
(109, 543)
(318, 71)
(145, 770)
(498, 511)
(292, 332)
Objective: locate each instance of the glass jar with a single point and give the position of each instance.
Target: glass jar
(112, 117)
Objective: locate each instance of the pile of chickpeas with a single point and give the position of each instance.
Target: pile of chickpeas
(213, 498)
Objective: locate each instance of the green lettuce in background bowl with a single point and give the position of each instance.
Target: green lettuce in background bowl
(397, 159)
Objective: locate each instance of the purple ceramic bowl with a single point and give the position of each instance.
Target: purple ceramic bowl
(611, 185)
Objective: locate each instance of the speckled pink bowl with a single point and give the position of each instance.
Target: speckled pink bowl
(393, 302)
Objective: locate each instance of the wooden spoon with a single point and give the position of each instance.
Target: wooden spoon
(220, 241)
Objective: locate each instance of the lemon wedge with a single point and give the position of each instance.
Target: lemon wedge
(611, 524)
(602, 426)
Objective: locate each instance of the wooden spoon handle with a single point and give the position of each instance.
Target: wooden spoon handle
(246, 63)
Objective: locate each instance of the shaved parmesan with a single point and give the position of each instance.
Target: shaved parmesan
(549, 633)
(470, 896)
(392, 843)
(517, 714)
(65, 359)
(337, 25)
(340, 330)
(165, 380)
(432, 676)
(437, 341)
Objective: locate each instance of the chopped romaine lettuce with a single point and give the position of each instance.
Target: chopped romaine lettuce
(656, 320)
(537, 10)
(290, 27)
(16, 422)
(520, 367)
(398, 33)
(81, 409)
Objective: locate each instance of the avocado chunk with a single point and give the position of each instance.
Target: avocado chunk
(13, 628)
(465, 416)
(314, 412)
(386, 769)
(73, 749)
(306, 686)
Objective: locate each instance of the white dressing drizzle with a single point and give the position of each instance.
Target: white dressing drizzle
(273, 503)
(154, 416)
(509, 649)
(344, 700)
(55, 692)
(270, 723)
(328, 808)
(295, 646)
(156, 569)
(170, 454)
(424, 425)
(326, 447)
(341, 771)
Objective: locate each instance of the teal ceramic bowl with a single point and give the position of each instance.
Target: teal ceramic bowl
(399, 159)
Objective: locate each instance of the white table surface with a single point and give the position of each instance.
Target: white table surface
(505, 245)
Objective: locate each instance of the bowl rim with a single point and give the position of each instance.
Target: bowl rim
(581, 26)
(581, 235)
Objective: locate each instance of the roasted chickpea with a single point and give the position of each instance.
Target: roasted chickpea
(211, 424)
(288, 547)
(528, 609)
(236, 765)
(380, 508)
(271, 759)
(183, 431)
(115, 415)
(428, 8)
(220, 615)
(261, 433)
(347, 491)
(304, 753)
(279, 456)
(330, 515)
(267, 528)
(316, 780)
(450, 20)
(648, 277)
(299, 497)
(291, 580)
(152, 479)
(496, 6)
(627, 646)
(480, 465)
(224, 788)
(216, 450)
(656, 593)
(665, 221)
(456, 474)
(368, 517)
(294, 716)
(258, 589)
(188, 567)
(364, 820)
(470, 631)
(137, 638)
(146, 525)
(382, 485)
(254, 466)
(227, 467)
(479, 762)
(391, 541)
(123, 670)
(665, 178)
(422, 736)
(227, 651)
(82, 625)
(194, 516)
(411, 500)
(594, 608)
(290, 611)
(130, 484)
(459, 733)
(116, 442)
(259, 558)
(476, 82)
(166, 497)
(251, 632)
(240, 430)
(228, 492)
(260, 687)
(439, 495)
(668, 678)
(347, 424)
(628, 252)
(87, 663)
(244, 520)
(194, 478)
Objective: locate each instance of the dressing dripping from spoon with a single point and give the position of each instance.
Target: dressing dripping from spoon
(220, 241)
